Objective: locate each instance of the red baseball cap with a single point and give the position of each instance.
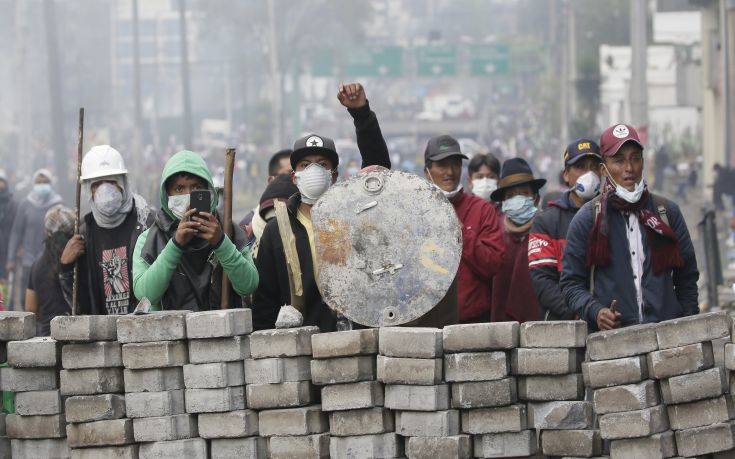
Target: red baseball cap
(616, 136)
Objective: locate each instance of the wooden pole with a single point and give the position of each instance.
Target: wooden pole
(227, 219)
(78, 203)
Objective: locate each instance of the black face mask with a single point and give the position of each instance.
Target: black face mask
(56, 242)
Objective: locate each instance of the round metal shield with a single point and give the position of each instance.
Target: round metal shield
(388, 246)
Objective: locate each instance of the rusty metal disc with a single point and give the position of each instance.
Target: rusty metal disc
(388, 246)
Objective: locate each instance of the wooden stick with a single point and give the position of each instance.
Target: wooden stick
(227, 220)
(78, 203)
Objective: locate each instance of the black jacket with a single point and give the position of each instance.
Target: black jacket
(273, 290)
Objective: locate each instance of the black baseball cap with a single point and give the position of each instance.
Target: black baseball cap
(579, 149)
(314, 144)
(441, 147)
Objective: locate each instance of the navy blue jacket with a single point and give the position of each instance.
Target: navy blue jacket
(666, 296)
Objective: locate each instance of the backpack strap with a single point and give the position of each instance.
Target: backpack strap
(597, 202)
(659, 202)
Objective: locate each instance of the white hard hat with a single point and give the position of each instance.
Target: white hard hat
(102, 161)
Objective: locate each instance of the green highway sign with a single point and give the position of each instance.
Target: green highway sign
(436, 60)
(380, 61)
(489, 60)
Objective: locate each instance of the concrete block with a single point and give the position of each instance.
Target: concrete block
(283, 395)
(548, 388)
(386, 445)
(400, 370)
(658, 445)
(622, 342)
(27, 379)
(100, 354)
(289, 342)
(214, 400)
(219, 349)
(84, 328)
(100, 433)
(345, 343)
(416, 342)
(88, 408)
(706, 440)
(457, 446)
(353, 396)
(154, 379)
(367, 421)
(340, 370)
(154, 404)
(694, 386)
(191, 448)
(481, 337)
(633, 424)
(91, 381)
(17, 426)
(219, 323)
(17, 325)
(554, 333)
(718, 350)
(545, 361)
(156, 354)
(165, 428)
(308, 446)
(615, 372)
(680, 360)
(582, 443)
(233, 424)
(36, 352)
(157, 326)
(506, 444)
(630, 397)
(229, 448)
(277, 370)
(36, 449)
(293, 421)
(116, 452)
(38, 403)
(510, 418)
(730, 356)
(416, 398)
(475, 366)
(484, 394)
(567, 415)
(693, 329)
(444, 423)
(214, 375)
(701, 413)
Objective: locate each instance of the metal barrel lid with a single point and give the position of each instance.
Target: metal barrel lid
(388, 246)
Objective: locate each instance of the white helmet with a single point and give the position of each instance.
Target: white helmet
(102, 161)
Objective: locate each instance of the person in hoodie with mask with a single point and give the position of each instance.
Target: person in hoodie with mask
(179, 261)
(549, 232)
(482, 236)
(483, 171)
(8, 208)
(518, 193)
(629, 258)
(27, 233)
(107, 235)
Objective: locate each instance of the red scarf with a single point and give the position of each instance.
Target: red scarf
(662, 241)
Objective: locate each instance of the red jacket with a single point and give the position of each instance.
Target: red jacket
(482, 254)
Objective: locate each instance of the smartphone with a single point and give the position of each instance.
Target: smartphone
(201, 201)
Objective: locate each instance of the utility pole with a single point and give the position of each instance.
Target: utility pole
(277, 87)
(185, 91)
(726, 96)
(572, 52)
(22, 91)
(565, 73)
(639, 61)
(138, 116)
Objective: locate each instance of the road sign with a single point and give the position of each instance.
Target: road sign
(489, 60)
(436, 60)
(381, 61)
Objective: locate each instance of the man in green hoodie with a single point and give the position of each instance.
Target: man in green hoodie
(178, 262)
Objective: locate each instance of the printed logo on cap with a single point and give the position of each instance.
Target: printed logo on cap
(621, 131)
(584, 146)
(314, 141)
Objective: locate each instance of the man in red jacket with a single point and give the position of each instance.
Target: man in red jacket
(482, 235)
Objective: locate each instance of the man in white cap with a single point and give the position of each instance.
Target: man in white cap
(106, 239)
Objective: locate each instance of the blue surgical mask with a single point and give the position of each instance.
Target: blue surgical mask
(520, 209)
(42, 190)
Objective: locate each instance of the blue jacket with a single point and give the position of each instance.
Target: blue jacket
(666, 296)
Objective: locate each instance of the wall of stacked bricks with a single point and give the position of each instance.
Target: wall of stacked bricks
(197, 385)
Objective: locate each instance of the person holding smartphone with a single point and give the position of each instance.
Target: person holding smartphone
(179, 261)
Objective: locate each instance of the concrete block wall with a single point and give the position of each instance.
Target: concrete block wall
(199, 385)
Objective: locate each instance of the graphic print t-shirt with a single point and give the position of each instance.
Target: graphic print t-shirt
(113, 270)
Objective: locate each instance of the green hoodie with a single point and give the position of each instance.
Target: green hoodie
(151, 281)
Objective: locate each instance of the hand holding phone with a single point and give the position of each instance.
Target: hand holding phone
(201, 201)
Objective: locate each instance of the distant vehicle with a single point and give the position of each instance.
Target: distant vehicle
(471, 147)
(429, 116)
(215, 133)
(447, 106)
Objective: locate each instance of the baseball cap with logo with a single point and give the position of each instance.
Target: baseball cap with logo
(580, 148)
(313, 144)
(441, 147)
(616, 136)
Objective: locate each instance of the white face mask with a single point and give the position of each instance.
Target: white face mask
(484, 187)
(587, 186)
(313, 182)
(178, 205)
(108, 199)
(622, 192)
